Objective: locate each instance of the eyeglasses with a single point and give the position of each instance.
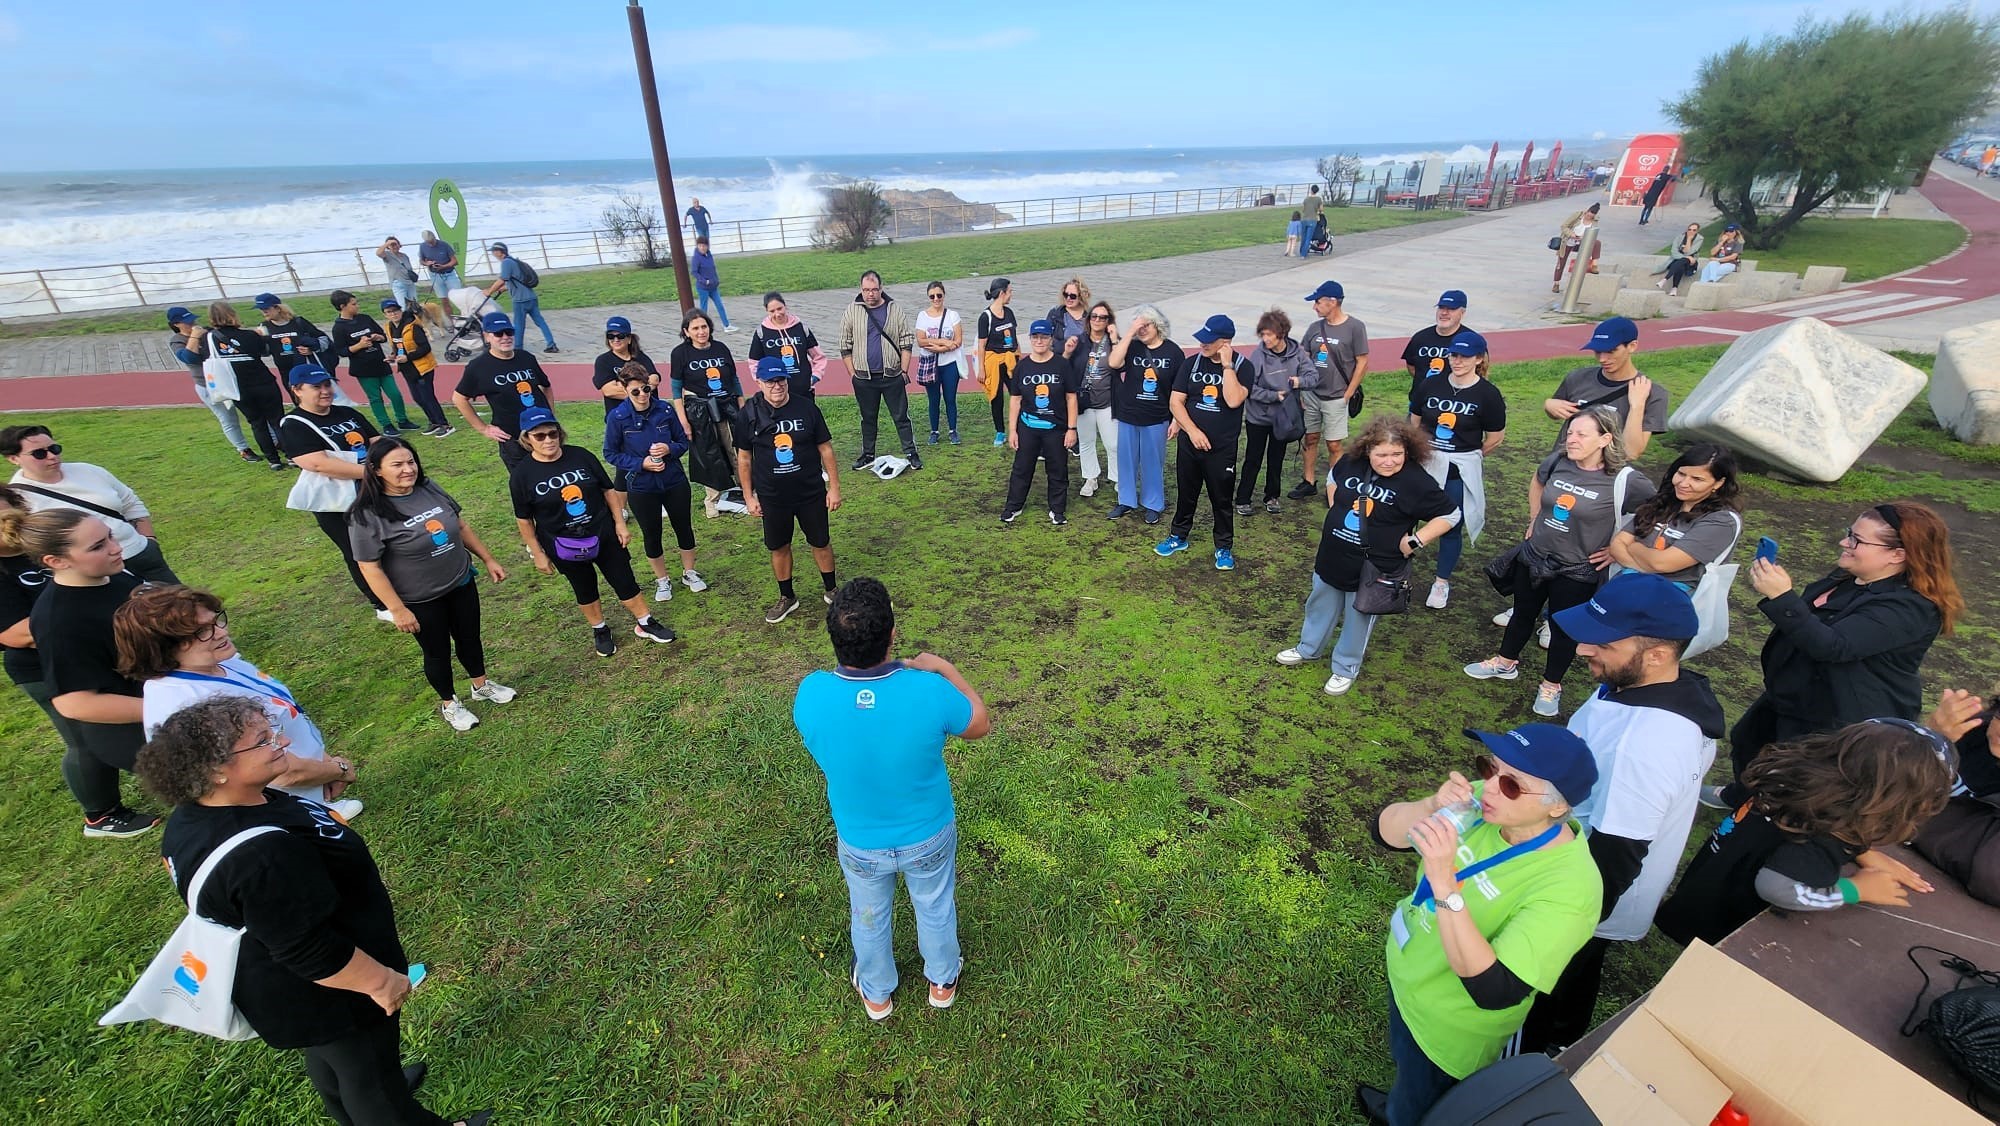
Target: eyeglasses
(1100, 316)
(545, 436)
(1854, 538)
(642, 389)
(208, 632)
(44, 453)
(1508, 785)
(270, 739)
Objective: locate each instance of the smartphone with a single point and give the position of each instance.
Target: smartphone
(417, 975)
(1767, 549)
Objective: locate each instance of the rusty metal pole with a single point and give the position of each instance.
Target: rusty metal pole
(642, 54)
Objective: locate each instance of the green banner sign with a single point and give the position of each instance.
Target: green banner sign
(448, 217)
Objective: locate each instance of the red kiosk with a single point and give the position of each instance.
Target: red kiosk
(1645, 158)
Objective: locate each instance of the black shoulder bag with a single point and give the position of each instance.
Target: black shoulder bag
(1382, 592)
(1964, 1023)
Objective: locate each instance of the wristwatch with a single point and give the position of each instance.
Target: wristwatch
(1416, 542)
(1454, 901)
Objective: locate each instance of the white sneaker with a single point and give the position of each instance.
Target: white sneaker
(1337, 685)
(458, 715)
(1440, 595)
(385, 616)
(695, 583)
(493, 692)
(663, 590)
(1542, 634)
(1504, 616)
(1291, 657)
(1089, 488)
(347, 809)
(1548, 700)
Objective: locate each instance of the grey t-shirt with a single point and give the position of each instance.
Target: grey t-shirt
(1588, 385)
(1705, 538)
(1576, 518)
(399, 267)
(1092, 362)
(1334, 349)
(423, 552)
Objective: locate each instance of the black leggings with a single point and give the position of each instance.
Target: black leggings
(334, 524)
(646, 508)
(450, 619)
(1259, 445)
(424, 394)
(612, 559)
(264, 413)
(359, 1078)
(1529, 599)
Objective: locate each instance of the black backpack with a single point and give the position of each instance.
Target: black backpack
(1512, 1092)
(529, 277)
(1964, 1023)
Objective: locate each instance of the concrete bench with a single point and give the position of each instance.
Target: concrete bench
(1965, 384)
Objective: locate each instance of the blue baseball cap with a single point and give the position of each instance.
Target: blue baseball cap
(1217, 327)
(495, 322)
(179, 314)
(1328, 289)
(306, 373)
(1041, 328)
(1611, 333)
(1466, 343)
(1452, 299)
(267, 301)
(771, 369)
(618, 325)
(543, 416)
(1635, 604)
(1548, 752)
(389, 303)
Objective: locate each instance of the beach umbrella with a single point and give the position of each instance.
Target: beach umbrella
(1526, 155)
(1555, 156)
(1490, 159)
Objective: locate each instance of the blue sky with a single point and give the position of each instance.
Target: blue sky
(126, 84)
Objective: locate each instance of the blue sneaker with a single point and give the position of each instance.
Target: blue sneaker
(999, 439)
(1172, 545)
(1117, 510)
(1225, 559)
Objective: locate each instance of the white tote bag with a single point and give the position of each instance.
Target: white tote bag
(190, 982)
(316, 492)
(219, 374)
(1711, 600)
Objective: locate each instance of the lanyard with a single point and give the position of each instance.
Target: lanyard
(1423, 896)
(263, 687)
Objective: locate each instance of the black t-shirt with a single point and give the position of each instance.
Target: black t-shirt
(564, 497)
(369, 363)
(607, 370)
(242, 347)
(72, 625)
(1426, 353)
(1371, 516)
(509, 386)
(1002, 333)
(1044, 388)
(1718, 892)
(792, 344)
(342, 426)
(308, 896)
(1142, 390)
(784, 448)
(705, 373)
(292, 343)
(1200, 379)
(21, 583)
(1458, 419)
(1977, 766)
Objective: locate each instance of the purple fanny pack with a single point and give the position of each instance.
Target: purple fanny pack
(576, 549)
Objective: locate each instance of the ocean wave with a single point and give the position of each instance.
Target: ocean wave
(1464, 154)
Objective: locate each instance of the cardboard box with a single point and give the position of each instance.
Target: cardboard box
(1713, 1032)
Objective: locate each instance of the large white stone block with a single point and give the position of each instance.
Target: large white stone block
(1760, 287)
(1638, 303)
(1800, 396)
(1599, 289)
(1965, 383)
(1702, 296)
(1822, 279)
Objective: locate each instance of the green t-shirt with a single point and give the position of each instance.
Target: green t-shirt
(1537, 910)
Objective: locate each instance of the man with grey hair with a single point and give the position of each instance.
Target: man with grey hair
(1143, 363)
(440, 260)
(1337, 344)
(875, 336)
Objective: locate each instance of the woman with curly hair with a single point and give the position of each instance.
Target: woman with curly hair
(1690, 525)
(1814, 809)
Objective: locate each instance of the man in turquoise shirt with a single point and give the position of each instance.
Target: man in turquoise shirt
(877, 728)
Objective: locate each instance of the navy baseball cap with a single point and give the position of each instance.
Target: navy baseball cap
(1328, 289)
(179, 314)
(389, 303)
(1217, 327)
(268, 301)
(495, 322)
(1731, 227)
(499, 246)
(1635, 604)
(1452, 299)
(619, 325)
(1546, 751)
(1611, 333)
(1466, 343)
(771, 369)
(1041, 328)
(306, 373)
(543, 416)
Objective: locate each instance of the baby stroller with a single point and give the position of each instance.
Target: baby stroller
(465, 338)
(1322, 239)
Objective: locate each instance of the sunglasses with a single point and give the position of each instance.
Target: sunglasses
(208, 632)
(1100, 316)
(545, 436)
(43, 453)
(1071, 297)
(617, 336)
(639, 390)
(505, 333)
(1508, 785)
(937, 296)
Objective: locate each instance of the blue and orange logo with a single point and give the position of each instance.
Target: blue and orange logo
(1041, 396)
(572, 498)
(436, 529)
(354, 438)
(1363, 506)
(1447, 423)
(1151, 383)
(1564, 503)
(782, 446)
(526, 391)
(192, 972)
(790, 355)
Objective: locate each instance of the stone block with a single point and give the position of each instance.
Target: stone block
(1702, 296)
(1638, 303)
(1599, 289)
(1965, 383)
(1758, 288)
(1802, 397)
(1821, 279)
(1746, 265)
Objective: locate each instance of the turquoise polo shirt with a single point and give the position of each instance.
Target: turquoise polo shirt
(878, 735)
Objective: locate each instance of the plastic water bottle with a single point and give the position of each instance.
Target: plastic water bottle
(1461, 815)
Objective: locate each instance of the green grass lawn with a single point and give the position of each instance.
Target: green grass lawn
(1869, 248)
(624, 882)
(947, 257)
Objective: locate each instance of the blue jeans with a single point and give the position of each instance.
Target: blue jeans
(708, 294)
(1419, 1082)
(945, 387)
(1142, 466)
(443, 284)
(405, 293)
(1325, 607)
(931, 870)
(523, 312)
(226, 416)
(1452, 544)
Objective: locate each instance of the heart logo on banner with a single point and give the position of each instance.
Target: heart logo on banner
(1648, 160)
